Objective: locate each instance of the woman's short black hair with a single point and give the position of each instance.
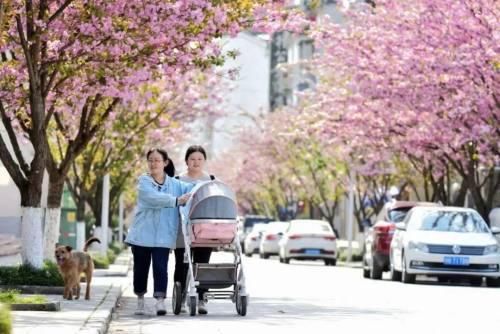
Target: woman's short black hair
(170, 167)
(193, 149)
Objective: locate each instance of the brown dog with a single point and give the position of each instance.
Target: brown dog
(71, 264)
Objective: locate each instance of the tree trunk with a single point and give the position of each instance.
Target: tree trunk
(53, 215)
(32, 218)
(80, 208)
(32, 213)
(32, 236)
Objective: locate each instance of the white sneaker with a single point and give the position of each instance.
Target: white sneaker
(202, 308)
(160, 306)
(140, 306)
(183, 304)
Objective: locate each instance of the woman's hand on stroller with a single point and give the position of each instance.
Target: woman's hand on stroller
(181, 200)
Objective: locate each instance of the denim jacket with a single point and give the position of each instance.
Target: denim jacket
(157, 217)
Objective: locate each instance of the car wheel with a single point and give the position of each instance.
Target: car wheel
(375, 271)
(395, 275)
(443, 279)
(265, 256)
(405, 276)
(248, 254)
(333, 262)
(476, 281)
(366, 270)
(286, 260)
(493, 282)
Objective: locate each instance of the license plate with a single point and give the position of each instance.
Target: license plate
(313, 251)
(456, 261)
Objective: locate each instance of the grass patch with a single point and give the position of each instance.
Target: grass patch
(5, 319)
(13, 297)
(48, 275)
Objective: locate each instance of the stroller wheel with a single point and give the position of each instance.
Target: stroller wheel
(177, 298)
(192, 305)
(241, 305)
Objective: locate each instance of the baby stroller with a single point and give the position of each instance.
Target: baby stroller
(209, 220)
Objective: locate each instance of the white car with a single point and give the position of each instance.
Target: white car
(269, 243)
(445, 242)
(252, 240)
(309, 239)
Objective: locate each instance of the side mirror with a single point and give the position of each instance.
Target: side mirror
(401, 226)
(495, 230)
(280, 234)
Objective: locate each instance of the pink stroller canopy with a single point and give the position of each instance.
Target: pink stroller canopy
(213, 200)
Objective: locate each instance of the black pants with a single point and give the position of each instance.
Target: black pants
(142, 261)
(198, 255)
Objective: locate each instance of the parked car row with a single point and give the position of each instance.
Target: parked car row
(301, 239)
(410, 239)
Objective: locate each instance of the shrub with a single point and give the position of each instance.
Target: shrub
(5, 319)
(111, 256)
(116, 247)
(13, 297)
(100, 261)
(48, 275)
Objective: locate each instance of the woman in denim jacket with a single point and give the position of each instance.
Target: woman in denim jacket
(154, 230)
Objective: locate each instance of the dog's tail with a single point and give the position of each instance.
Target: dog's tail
(88, 242)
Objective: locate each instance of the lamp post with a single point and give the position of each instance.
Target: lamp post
(105, 214)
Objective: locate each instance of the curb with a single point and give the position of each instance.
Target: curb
(35, 289)
(98, 321)
(48, 307)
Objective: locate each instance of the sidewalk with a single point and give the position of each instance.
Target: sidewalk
(80, 316)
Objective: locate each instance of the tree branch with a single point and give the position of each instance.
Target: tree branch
(24, 44)
(59, 11)
(13, 140)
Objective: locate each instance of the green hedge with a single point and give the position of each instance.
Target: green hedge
(103, 262)
(28, 275)
(116, 247)
(5, 320)
(342, 256)
(100, 261)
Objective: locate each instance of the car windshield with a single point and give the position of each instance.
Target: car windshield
(310, 228)
(250, 221)
(449, 221)
(398, 215)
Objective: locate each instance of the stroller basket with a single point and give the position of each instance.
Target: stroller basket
(213, 231)
(215, 276)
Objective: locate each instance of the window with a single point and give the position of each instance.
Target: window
(306, 49)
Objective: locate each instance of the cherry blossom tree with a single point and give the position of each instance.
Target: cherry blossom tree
(417, 81)
(157, 118)
(75, 61)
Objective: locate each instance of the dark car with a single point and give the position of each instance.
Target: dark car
(378, 239)
(248, 222)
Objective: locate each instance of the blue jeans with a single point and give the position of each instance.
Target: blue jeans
(142, 262)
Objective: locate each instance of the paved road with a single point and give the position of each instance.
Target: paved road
(301, 296)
